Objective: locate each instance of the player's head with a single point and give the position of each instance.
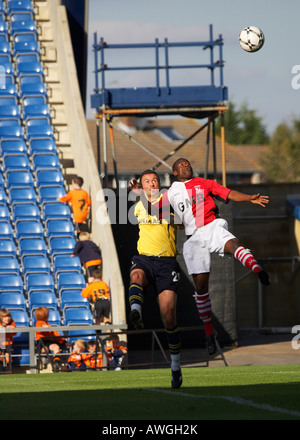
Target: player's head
(150, 182)
(182, 169)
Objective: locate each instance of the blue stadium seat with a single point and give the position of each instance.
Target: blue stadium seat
(51, 194)
(12, 146)
(11, 283)
(66, 263)
(33, 100)
(39, 131)
(21, 37)
(22, 195)
(70, 281)
(27, 58)
(5, 50)
(16, 162)
(49, 178)
(8, 89)
(38, 281)
(4, 213)
(46, 162)
(11, 112)
(61, 245)
(29, 229)
(73, 298)
(17, 179)
(32, 246)
(20, 317)
(35, 89)
(8, 100)
(15, 131)
(6, 231)
(22, 26)
(20, 6)
(3, 201)
(42, 298)
(36, 264)
(59, 228)
(4, 28)
(7, 248)
(25, 212)
(36, 111)
(25, 46)
(77, 316)
(56, 211)
(9, 265)
(29, 69)
(12, 300)
(45, 145)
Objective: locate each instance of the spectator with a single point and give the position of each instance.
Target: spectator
(98, 294)
(115, 351)
(50, 341)
(77, 358)
(80, 202)
(6, 339)
(95, 359)
(88, 253)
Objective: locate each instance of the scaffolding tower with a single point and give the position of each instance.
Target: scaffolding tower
(194, 101)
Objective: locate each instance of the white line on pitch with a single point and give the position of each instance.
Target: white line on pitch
(233, 399)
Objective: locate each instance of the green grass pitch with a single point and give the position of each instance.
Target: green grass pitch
(217, 393)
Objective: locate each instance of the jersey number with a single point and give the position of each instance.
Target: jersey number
(176, 276)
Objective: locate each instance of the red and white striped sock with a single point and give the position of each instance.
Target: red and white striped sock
(247, 259)
(204, 309)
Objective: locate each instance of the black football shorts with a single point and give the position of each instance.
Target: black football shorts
(161, 272)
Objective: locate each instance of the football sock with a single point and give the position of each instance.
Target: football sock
(247, 259)
(174, 344)
(136, 296)
(204, 309)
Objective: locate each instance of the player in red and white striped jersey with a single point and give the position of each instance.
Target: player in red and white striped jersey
(192, 199)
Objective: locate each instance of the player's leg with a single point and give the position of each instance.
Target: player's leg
(203, 304)
(138, 281)
(245, 257)
(167, 303)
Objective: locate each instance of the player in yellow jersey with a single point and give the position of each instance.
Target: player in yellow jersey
(156, 264)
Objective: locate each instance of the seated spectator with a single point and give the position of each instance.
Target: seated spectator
(115, 351)
(89, 254)
(98, 294)
(78, 357)
(50, 341)
(6, 339)
(94, 360)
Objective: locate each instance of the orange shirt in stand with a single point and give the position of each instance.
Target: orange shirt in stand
(80, 201)
(8, 340)
(49, 334)
(96, 290)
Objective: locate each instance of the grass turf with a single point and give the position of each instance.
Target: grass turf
(218, 393)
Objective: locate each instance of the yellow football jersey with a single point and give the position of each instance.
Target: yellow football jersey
(156, 237)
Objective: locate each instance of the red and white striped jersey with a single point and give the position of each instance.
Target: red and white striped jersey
(193, 202)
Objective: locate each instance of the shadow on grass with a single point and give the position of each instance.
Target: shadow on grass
(255, 402)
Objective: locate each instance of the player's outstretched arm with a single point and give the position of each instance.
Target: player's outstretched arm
(256, 199)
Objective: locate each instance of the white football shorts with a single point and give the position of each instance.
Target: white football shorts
(205, 240)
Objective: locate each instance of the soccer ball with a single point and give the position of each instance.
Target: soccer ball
(251, 39)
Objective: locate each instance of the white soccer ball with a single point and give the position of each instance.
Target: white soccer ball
(251, 39)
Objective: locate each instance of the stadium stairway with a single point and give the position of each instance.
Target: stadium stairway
(43, 143)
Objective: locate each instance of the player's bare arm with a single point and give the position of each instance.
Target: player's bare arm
(256, 199)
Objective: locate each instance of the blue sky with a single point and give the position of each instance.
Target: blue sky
(262, 79)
